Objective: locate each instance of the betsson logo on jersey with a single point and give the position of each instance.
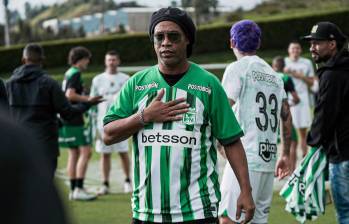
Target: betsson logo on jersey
(174, 138)
(147, 86)
(200, 88)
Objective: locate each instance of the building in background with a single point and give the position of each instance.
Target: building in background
(124, 19)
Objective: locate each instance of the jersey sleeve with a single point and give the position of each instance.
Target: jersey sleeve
(231, 82)
(289, 85)
(224, 124)
(74, 81)
(122, 106)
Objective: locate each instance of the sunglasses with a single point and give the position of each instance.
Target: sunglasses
(173, 37)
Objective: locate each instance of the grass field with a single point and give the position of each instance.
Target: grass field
(116, 208)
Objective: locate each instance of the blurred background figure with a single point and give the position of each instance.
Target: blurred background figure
(35, 99)
(107, 85)
(302, 72)
(278, 66)
(74, 134)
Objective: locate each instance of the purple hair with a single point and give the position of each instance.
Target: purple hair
(246, 35)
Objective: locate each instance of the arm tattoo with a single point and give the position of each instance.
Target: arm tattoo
(286, 121)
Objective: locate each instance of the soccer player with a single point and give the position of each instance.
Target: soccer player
(175, 111)
(278, 66)
(73, 134)
(302, 72)
(258, 98)
(108, 84)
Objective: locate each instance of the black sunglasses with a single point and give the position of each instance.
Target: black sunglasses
(173, 37)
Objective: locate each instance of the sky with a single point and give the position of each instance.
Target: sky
(19, 4)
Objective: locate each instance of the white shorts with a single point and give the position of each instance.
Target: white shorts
(262, 193)
(301, 115)
(118, 147)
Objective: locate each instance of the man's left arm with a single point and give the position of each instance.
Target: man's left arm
(236, 157)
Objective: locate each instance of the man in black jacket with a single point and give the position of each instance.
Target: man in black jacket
(330, 127)
(35, 99)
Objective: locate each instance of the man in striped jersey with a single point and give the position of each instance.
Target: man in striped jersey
(175, 111)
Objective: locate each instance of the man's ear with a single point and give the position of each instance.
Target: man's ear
(232, 44)
(333, 44)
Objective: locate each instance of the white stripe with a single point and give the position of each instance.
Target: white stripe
(156, 178)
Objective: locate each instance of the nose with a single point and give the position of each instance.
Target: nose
(166, 40)
(312, 47)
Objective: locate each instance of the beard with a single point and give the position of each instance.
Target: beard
(319, 59)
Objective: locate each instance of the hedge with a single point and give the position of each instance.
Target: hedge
(137, 47)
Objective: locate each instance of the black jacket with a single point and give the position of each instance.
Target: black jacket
(31, 197)
(330, 126)
(3, 97)
(35, 99)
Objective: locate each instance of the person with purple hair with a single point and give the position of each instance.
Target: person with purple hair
(258, 98)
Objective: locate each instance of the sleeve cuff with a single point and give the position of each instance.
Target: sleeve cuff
(109, 119)
(232, 139)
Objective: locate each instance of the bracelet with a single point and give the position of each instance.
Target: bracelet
(141, 117)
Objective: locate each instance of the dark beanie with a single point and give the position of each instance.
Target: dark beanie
(180, 17)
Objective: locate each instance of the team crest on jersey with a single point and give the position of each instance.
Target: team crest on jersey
(189, 118)
(267, 150)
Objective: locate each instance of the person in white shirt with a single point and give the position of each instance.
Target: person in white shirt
(257, 95)
(108, 84)
(302, 72)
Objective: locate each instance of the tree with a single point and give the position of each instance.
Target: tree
(202, 8)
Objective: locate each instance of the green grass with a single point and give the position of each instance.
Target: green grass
(116, 208)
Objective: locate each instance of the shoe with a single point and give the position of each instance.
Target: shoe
(81, 195)
(103, 190)
(127, 187)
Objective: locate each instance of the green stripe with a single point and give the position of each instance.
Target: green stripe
(136, 177)
(165, 172)
(204, 194)
(214, 176)
(148, 161)
(185, 172)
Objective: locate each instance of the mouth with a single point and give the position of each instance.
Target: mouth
(167, 53)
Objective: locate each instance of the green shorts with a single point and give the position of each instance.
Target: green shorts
(74, 136)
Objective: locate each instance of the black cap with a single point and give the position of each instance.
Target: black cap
(325, 31)
(178, 16)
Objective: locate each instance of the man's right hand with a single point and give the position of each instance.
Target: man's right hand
(158, 111)
(93, 100)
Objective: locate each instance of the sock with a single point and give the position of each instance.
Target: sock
(106, 183)
(80, 183)
(72, 184)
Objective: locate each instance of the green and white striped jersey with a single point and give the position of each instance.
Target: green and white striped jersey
(175, 163)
